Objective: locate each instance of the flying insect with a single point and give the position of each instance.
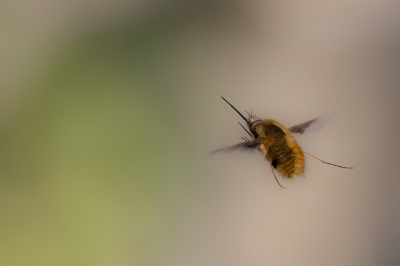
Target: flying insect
(277, 145)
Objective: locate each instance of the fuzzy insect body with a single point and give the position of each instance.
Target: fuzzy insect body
(277, 145)
(280, 148)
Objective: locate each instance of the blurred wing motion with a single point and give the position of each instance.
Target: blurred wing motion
(247, 145)
(300, 128)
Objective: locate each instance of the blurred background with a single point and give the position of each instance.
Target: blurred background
(109, 108)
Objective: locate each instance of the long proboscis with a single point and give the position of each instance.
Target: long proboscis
(245, 119)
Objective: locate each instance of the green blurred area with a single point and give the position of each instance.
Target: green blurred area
(91, 172)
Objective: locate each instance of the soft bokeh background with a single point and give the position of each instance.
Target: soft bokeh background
(108, 109)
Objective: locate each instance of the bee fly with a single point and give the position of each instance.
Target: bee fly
(276, 143)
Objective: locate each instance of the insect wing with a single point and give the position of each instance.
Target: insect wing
(300, 128)
(243, 146)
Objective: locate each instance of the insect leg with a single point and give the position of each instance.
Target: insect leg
(251, 135)
(275, 176)
(346, 167)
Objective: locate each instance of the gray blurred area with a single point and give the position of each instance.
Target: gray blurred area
(109, 108)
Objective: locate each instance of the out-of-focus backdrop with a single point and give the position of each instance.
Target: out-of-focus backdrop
(109, 108)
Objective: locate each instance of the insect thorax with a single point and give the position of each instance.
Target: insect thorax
(268, 130)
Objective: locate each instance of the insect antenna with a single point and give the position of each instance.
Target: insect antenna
(245, 119)
(275, 176)
(251, 135)
(250, 114)
(345, 167)
(244, 138)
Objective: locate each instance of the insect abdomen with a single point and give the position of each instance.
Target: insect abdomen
(282, 150)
